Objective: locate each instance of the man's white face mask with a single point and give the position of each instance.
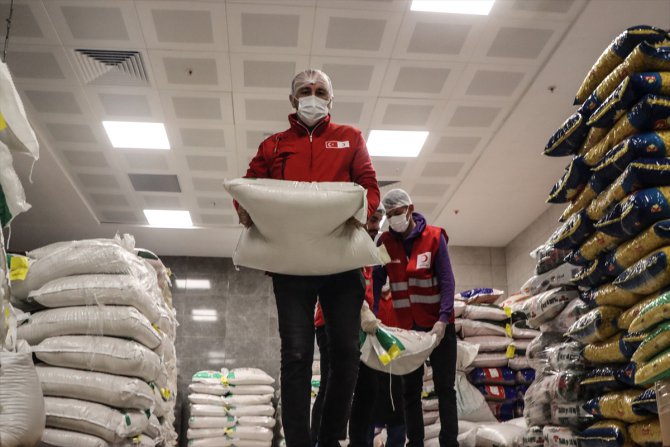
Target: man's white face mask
(312, 109)
(399, 223)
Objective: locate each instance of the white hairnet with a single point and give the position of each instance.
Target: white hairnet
(396, 198)
(311, 76)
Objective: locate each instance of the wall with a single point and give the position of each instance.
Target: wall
(520, 266)
(240, 304)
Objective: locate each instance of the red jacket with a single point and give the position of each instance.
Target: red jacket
(331, 153)
(386, 313)
(367, 274)
(414, 287)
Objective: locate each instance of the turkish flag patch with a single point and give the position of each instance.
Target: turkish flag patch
(337, 144)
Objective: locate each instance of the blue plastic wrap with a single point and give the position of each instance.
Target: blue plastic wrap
(573, 180)
(497, 393)
(636, 212)
(645, 404)
(492, 376)
(642, 145)
(604, 434)
(648, 275)
(600, 381)
(525, 376)
(573, 232)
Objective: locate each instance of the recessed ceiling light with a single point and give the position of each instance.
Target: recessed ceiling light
(132, 135)
(191, 284)
(169, 218)
(204, 315)
(396, 143)
(477, 7)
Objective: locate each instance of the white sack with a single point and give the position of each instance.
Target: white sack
(153, 429)
(491, 360)
(211, 422)
(499, 435)
(206, 399)
(243, 401)
(76, 260)
(429, 417)
(248, 376)
(468, 438)
(202, 433)
(12, 188)
(418, 347)
(112, 390)
(112, 321)
(94, 419)
(258, 421)
(208, 410)
(15, 130)
(101, 354)
(138, 441)
(64, 438)
(518, 362)
(300, 227)
(484, 312)
(250, 433)
(250, 390)
(432, 431)
(89, 290)
(21, 401)
(560, 276)
(472, 328)
(252, 410)
(489, 343)
(465, 355)
(206, 388)
(211, 442)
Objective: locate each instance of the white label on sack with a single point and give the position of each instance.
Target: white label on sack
(423, 260)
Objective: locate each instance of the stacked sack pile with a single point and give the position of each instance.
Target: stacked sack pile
(231, 408)
(616, 231)
(21, 400)
(101, 326)
(500, 335)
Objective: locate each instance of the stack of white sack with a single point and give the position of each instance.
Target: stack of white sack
(106, 336)
(470, 403)
(231, 408)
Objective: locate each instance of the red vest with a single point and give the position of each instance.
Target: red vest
(367, 274)
(386, 312)
(414, 287)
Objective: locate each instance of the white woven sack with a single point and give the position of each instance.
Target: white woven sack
(76, 260)
(251, 443)
(208, 410)
(101, 354)
(206, 399)
(322, 244)
(519, 362)
(112, 321)
(484, 312)
(21, 401)
(205, 388)
(250, 433)
(418, 346)
(499, 435)
(252, 410)
(94, 419)
(249, 390)
(248, 376)
(153, 429)
(88, 290)
(491, 360)
(472, 328)
(64, 438)
(202, 433)
(489, 343)
(11, 184)
(138, 441)
(202, 422)
(429, 417)
(244, 401)
(18, 134)
(108, 389)
(258, 421)
(430, 404)
(211, 442)
(432, 431)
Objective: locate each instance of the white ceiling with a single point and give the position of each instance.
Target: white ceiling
(218, 74)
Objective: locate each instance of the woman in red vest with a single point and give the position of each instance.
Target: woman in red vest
(422, 292)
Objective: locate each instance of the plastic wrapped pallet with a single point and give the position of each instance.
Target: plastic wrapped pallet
(265, 246)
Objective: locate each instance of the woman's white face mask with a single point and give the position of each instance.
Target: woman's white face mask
(312, 109)
(399, 223)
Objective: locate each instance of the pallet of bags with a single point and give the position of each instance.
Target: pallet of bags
(231, 408)
(106, 340)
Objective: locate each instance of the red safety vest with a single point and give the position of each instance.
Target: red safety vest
(414, 286)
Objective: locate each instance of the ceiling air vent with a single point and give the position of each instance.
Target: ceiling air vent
(112, 67)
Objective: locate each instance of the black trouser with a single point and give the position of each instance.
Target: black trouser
(443, 362)
(324, 365)
(372, 405)
(341, 297)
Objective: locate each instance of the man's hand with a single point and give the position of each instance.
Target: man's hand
(245, 218)
(439, 329)
(369, 323)
(353, 221)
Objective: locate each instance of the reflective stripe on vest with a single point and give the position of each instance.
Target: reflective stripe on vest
(399, 286)
(425, 299)
(368, 282)
(430, 282)
(401, 304)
